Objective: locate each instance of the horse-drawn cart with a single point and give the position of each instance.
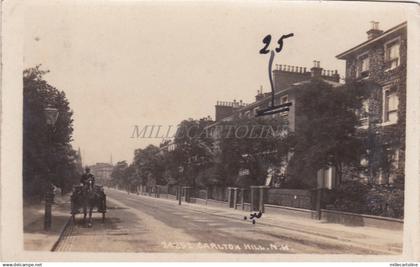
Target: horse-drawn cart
(85, 198)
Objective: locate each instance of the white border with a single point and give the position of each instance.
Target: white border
(11, 166)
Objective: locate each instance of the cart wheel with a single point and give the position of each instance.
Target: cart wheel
(103, 217)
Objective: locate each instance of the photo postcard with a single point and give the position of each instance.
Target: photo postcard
(208, 131)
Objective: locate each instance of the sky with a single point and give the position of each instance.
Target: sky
(123, 64)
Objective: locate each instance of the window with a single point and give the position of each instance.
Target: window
(363, 113)
(283, 100)
(392, 54)
(363, 65)
(390, 105)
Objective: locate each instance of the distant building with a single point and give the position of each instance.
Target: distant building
(382, 60)
(102, 172)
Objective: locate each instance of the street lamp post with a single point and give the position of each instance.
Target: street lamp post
(51, 115)
(181, 171)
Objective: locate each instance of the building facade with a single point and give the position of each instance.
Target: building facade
(287, 80)
(102, 172)
(381, 60)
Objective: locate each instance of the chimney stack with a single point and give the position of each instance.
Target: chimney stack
(374, 31)
(316, 70)
(260, 94)
(335, 76)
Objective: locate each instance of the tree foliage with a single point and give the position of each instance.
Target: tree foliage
(326, 130)
(209, 154)
(149, 166)
(193, 150)
(119, 174)
(253, 144)
(47, 152)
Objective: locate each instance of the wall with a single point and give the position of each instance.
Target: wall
(217, 193)
(163, 189)
(354, 219)
(289, 211)
(291, 198)
(172, 190)
(283, 79)
(330, 216)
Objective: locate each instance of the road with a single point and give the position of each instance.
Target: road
(145, 224)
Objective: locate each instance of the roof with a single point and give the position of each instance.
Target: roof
(267, 98)
(345, 54)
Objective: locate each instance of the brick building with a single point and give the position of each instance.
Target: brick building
(102, 172)
(286, 79)
(381, 60)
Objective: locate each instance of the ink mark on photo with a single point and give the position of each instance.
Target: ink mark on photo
(273, 109)
(252, 216)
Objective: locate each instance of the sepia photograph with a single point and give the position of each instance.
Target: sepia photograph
(214, 128)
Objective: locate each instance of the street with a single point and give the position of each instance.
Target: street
(145, 224)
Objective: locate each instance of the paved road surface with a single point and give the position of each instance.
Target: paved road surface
(144, 224)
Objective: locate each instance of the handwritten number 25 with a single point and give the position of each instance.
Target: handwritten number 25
(267, 41)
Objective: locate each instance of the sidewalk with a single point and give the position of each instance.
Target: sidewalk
(387, 241)
(34, 236)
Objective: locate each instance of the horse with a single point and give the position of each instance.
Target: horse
(90, 200)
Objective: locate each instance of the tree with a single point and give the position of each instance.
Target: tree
(192, 150)
(149, 166)
(325, 132)
(47, 153)
(118, 175)
(254, 144)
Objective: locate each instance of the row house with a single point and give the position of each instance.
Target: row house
(381, 60)
(287, 79)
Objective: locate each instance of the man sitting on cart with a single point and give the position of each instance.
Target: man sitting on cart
(87, 176)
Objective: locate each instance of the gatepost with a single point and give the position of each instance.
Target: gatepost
(263, 197)
(229, 197)
(253, 201)
(187, 192)
(232, 197)
(178, 194)
(322, 182)
(258, 197)
(243, 198)
(235, 197)
(157, 191)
